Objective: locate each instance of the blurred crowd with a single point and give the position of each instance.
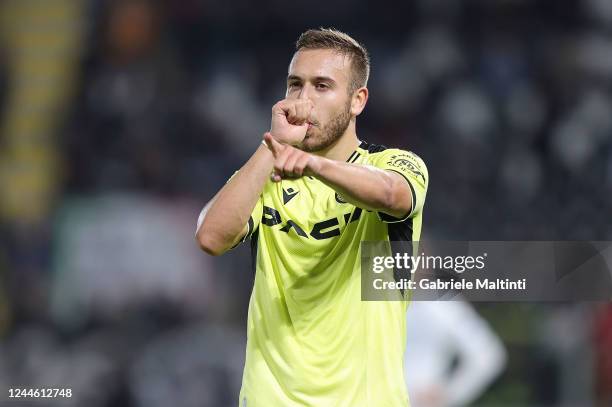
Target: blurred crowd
(119, 119)
(507, 101)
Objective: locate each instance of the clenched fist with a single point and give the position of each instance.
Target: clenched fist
(290, 120)
(290, 162)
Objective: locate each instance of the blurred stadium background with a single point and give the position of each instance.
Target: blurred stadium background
(119, 119)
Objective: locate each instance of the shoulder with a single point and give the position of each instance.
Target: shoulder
(393, 156)
(372, 148)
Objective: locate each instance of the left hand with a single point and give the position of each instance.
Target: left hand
(290, 162)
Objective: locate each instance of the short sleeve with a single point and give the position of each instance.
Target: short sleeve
(413, 169)
(255, 218)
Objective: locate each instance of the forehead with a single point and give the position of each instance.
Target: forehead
(320, 62)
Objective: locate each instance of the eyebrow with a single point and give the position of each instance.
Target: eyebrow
(292, 78)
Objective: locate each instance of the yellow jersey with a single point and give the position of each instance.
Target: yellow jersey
(311, 340)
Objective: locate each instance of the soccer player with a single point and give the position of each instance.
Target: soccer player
(306, 199)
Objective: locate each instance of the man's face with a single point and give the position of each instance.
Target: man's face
(323, 76)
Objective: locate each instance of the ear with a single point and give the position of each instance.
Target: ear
(359, 100)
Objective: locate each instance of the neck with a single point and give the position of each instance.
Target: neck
(342, 148)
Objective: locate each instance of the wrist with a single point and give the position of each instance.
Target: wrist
(315, 165)
(264, 153)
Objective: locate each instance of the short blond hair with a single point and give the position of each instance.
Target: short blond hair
(329, 38)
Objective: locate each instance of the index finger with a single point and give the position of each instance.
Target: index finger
(272, 144)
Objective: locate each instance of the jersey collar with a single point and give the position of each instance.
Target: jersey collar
(356, 154)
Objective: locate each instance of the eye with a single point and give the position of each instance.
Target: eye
(322, 86)
(293, 85)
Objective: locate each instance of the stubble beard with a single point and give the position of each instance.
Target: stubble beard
(328, 134)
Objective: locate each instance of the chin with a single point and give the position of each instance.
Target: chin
(311, 133)
(308, 145)
(310, 142)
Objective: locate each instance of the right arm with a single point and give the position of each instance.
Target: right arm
(224, 220)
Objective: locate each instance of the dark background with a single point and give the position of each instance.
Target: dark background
(120, 119)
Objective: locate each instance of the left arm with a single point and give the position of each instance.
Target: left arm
(364, 186)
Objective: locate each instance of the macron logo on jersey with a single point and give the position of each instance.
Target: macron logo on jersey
(289, 194)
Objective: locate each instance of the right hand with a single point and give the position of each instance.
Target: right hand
(289, 161)
(290, 120)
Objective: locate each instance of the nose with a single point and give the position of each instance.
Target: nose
(304, 92)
